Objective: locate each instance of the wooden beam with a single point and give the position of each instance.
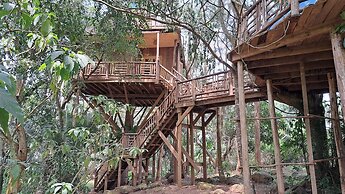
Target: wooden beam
(244, 133)
(167, 143)
(292, 51)
(308, 130)
(277, 157)
(119, 173)
(326, 55)
(339, 61)
(296, 74)
(209, 119)
(336, 129)
(185, 113)
(289, 39)
(189, 159)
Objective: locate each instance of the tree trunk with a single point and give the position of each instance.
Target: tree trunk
(2, 168)
(237, 127)
(319, 134)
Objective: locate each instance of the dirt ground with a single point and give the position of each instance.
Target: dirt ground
(173, 189)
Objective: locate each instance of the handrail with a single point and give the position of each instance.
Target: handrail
(180, 75)
(202, 77)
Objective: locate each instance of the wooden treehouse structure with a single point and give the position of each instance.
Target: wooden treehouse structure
(288, 46)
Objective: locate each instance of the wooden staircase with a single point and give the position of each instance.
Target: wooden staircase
(104, 175)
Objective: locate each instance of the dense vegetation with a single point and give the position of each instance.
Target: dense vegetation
(51, 139)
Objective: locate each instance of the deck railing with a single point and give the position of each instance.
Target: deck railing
(263, 14)
(206, 87)
(126, 71)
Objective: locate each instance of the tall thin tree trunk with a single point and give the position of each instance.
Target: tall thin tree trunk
(2, 168)
(237, 127)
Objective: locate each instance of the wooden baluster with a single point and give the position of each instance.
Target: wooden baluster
(294, 5)
(193, 90)
(107, 70)
(258, 15)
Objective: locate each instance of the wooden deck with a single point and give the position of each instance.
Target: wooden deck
(276, 51)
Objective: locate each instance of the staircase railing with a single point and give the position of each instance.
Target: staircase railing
(154, 120)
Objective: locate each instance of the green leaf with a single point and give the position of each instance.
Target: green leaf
(69, 63)
(42, 67)
(3, 13)
(5, 77)
(10, 104)
(27, 20)
(342, 15)
(46, 27)
(344, 43)
(4, 118)
(57, 189)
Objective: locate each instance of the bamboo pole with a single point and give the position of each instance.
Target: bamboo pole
(308, 129)
(277, 157)
(244, 135)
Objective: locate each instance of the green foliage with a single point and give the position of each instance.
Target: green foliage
(63, 188)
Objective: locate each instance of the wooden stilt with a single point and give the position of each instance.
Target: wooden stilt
(308, 130)
(146, 169)
(204, 159)
(219, 141)
(106, 181)
(179, 149)
(191, 128)
(257, 133)
(187, 145)
(339, 61)
(277, 157)
(119, 173)
(134, 173)
(336, 129)
(153, 167)
(244, 133)
(159, 165)
(140, 168)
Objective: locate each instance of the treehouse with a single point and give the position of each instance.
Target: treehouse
(141, 81)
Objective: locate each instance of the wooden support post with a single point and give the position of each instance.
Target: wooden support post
(308, 130)
(179, 148)
(294, 5)
(191, 129)
(119, 173)
(219, 141)
(140, 168)
(257, 133)
(157, 59)
(277, 157)
(187, 145)
(106, 181)
(244, 133)
(336, 129)
(153, 167)
(146, 169)
(204, 160)
(339, 61)
(159, 165)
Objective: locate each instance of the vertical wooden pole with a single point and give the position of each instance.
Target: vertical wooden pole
(336, 128)
(119, 173)
(203, 136)
(277, 157)
(219, 140)
(179, 150)
(157, 59)
(294, 5)
(187, 145)
(339, 61)
(134, 173)
(106, 181)
(153, 167)
(147, 163)
(191, 128)
(244, 133)
(308, 130)
(140, 168)
(159, 165)
(257, 133)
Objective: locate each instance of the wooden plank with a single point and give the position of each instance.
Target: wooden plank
(336, 128)
(277, 157)
(339, 61)
(244, 133)
(308, 130)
